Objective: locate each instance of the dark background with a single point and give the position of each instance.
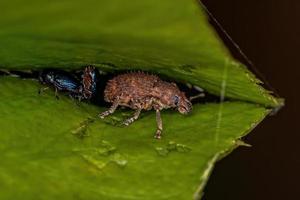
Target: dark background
(268, 32)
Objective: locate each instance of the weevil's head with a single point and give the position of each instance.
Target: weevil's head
(184, 106)
(176, 98)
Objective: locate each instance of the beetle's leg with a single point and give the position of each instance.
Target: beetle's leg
(111, 110)
(56, 95)
(133, 118)
(74, 99)
(159, 125)
(42, 90)
(80, 98)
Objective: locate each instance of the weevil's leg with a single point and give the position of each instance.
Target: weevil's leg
(56, 95)
(111, 110)
(133, 118)
(42, 90)
(159, 125)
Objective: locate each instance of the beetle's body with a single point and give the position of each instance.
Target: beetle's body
(66, 82)
(61, 81)
(141, 91)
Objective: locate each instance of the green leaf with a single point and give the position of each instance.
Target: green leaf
(170, 37)
(59, 149)
(43, 155)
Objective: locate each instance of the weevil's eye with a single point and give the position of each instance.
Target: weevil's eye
(176, 100)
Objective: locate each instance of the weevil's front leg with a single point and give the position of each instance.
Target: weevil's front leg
(159, 125)
(111, 110)
(133, 118)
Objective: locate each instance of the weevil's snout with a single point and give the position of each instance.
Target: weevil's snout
(184, 105)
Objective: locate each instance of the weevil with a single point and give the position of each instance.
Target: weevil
(140, 91)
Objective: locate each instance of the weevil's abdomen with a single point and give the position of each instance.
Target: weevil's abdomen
(144, 91)
(130, 87)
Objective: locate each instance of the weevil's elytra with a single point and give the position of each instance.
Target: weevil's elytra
(140, 91)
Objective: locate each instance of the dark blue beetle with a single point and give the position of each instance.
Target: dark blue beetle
(61, 81)
(66, 82)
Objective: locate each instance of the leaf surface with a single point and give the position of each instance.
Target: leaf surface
(59, 149)
(45, 155)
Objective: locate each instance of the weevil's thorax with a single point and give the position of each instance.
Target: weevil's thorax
(164, 93)
(168, 95)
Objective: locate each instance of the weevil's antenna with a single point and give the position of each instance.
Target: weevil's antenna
(201, 95)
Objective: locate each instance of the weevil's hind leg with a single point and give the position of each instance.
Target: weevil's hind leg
(133, 118)
(111, 110)
(41, 90)
(159, 125)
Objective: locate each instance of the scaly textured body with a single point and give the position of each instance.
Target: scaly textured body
(141, 91)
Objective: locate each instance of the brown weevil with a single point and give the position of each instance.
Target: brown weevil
(140, 91)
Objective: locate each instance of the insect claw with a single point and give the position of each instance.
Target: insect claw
(125, 123)
(157, 137)
(101, 115)
(158, 134)
(41, 90)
